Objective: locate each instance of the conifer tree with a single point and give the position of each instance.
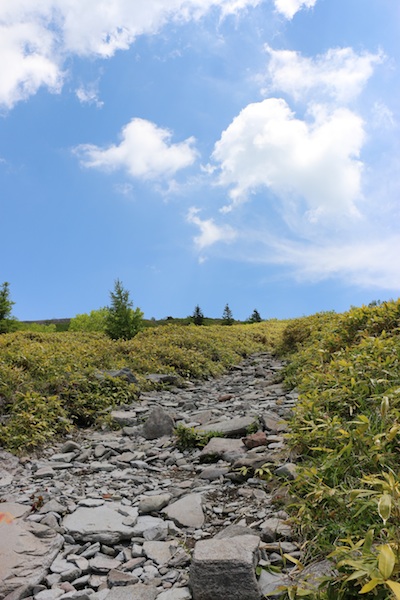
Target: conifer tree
(122, 321)
(198, 317)
(227, 317)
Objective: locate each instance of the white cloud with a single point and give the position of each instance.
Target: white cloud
(27, 62)
(210, 233)
(314, 162)
(367, 263)
(89, 95)
(145, 151)
(340, 73)
(289, 8)
(37, 35)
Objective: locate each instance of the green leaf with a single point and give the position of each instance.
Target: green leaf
(386, 561)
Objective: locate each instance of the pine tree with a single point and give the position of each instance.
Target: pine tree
(7, 323)
(255, 317)
(122, 321)
(198, 317)
(227, 317)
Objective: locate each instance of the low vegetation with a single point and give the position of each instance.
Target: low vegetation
(346, 427)
(50, 382)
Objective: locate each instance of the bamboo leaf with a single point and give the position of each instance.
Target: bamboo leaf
(386, 561)
(385, 507)
(370, 585)
(395, 587)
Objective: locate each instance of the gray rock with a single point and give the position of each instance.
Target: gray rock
(233, 530)
(153, 503)
(159, 552)
(275, 528)
(158, 424)
(269, 583)
(139, 591)
(187, 511)
(288, 470)
(182, 593)
(146, 523)
(229, 427)
(8, 466)
(163, 378)
(103, 524)
(124, 373)
(273, 423)
(228, 449)
(124, 418)
(213, 473)
(26, 550)
(224, 569)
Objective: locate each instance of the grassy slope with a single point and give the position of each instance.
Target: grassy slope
(346, 427)
(50, 381)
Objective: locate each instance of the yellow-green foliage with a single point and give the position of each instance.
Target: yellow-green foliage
(347, 427)
(66, 369)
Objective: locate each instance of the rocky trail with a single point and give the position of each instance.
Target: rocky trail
(126, 515)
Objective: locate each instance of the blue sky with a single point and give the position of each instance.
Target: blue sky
(201, 151)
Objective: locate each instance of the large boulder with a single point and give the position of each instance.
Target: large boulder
(158, 424)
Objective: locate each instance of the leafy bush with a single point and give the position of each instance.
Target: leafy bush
(346, 427)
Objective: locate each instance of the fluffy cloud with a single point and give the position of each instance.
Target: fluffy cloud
(289, 8)
(36, 36)
(339, 74)
(210, 233)
(314, 162)
(145, 151)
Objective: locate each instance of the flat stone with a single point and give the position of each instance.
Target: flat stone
(187, 511)
(159, 552)
(153, 503)
(182, 593)
(26, 550)
(103, 564)
(233, 530)
(228, 449)
(121, 578)
(124, 418)
(139, 591)
(229, 427)
(225, 568)
(273, 422)
(103, 524)
(255, 440)
(146, 523)
(213, 473)
(269, 583)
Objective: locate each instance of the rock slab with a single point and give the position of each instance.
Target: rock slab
(225, 568)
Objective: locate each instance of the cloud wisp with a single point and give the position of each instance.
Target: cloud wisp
(210, 232)
(288, 8)
(339, 75)
(144, 152)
